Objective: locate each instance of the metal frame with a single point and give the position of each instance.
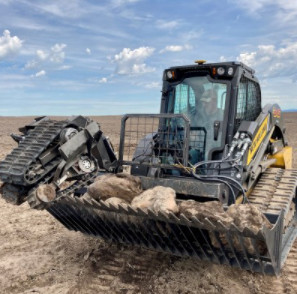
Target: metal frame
(160, 116)
(177, 235)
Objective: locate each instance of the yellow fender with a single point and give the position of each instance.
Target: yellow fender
(283, 158)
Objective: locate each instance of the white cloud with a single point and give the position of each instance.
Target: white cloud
(117, 3)
(31, 64)
(64, 67)
(286, 9)
(88, 50)
(153, 85)
(271, 61)
(41, 55)
(9, 46)
(251, 5)
(132, 61)
(103, 81)
(5, 2)
(223, 58)
(40, 73)
(166, 25)
(63, 8)
(141, 69)
(55, 55)
(175, 48)
(192, 35)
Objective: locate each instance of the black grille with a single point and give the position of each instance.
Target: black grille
(174, 234)
(248, 101)
(157, 139)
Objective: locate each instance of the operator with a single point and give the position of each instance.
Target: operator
(208, 113)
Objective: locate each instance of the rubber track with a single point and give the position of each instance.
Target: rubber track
(275, 191)
(15, 165)
(287, 281)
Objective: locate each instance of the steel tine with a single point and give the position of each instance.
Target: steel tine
(230, 242)
(184, 219)
(259, 259)
(245, 253)
(102, 228)
(198, 242)
(53, 212)
(219, 241)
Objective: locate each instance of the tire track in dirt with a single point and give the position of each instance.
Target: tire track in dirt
(119, 269)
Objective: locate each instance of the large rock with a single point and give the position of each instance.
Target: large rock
(158, 198)
(249, 216)
(213, 210)
(122, 185)
(242, 215)
(46, 192)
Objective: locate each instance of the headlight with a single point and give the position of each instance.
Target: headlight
(230, 71)
(170, 74)
(220, 71)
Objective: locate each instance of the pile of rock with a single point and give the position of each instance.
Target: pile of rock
(241, 215)
(126, 189)
(123, 188)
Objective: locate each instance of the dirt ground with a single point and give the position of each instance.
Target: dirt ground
(39, 255)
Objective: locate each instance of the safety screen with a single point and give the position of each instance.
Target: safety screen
(197, 144)
(159, 140)
(248, 101)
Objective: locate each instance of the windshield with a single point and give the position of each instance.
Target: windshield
(203, 102)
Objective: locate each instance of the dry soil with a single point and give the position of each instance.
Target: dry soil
(39, 255)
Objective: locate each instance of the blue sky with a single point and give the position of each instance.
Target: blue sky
(107, 57)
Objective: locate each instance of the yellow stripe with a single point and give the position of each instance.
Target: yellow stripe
(261, 133)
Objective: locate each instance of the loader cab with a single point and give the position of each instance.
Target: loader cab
(215, 98)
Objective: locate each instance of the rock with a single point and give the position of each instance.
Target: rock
(122, 185)
(46, 192)
(115, 201)
(242, 215)
(158, 198)
(249, 216)
(87, 197)
(213, 210)
(65, 185)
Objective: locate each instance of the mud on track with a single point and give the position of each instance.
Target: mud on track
(38, 255)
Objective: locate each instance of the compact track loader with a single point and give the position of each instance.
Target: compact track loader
(211, 142)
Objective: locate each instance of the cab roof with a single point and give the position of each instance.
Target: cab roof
(196, 66)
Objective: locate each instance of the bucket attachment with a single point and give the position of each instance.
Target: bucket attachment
(178, 235)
